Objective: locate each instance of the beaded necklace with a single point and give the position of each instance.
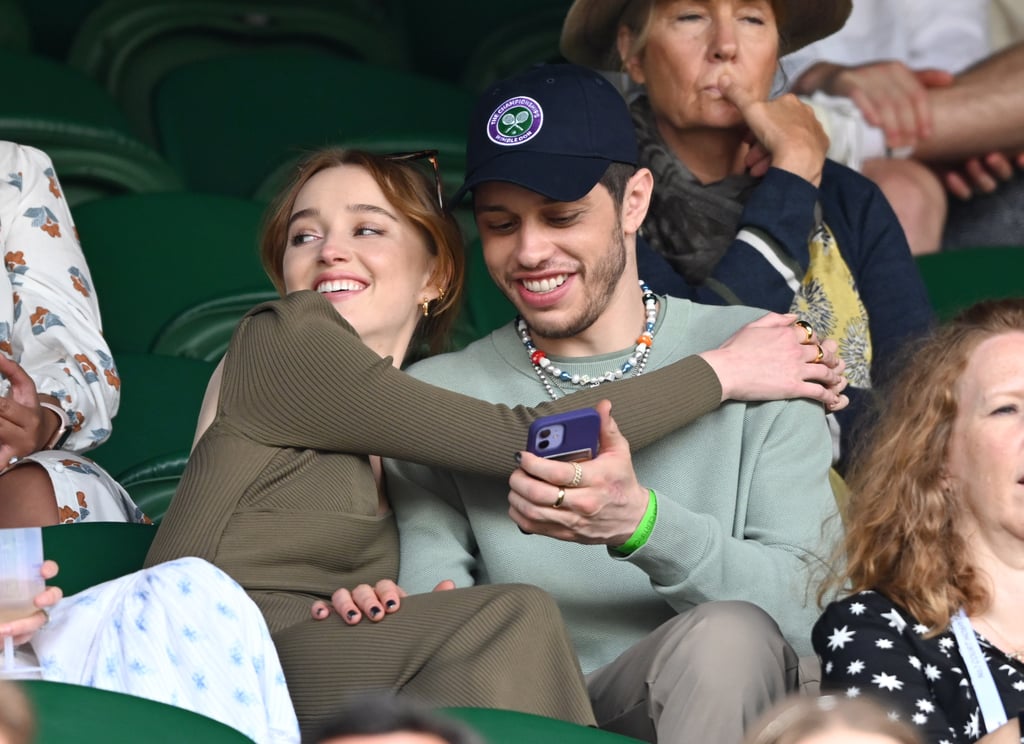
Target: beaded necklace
(635, 364)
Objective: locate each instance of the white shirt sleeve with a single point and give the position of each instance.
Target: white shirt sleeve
(920, 33)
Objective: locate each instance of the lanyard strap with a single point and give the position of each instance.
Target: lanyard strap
(991, 704)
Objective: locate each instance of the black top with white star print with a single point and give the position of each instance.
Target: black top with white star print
(870, 646)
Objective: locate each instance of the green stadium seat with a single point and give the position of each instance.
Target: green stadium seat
(451, 155)
(14, 29)
(160, 401)
(510, 727)
(152, 483)
(173, 272)
(530, 38)
(328, 101)
(86, 715)
(486, 307)
(60, 110)
(53, 24)
(957, 279)
(447, 32)
(90, 553)
(129, 46)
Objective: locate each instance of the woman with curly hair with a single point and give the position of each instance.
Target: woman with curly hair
(934, 550)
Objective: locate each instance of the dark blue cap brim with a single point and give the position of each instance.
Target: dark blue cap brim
(560, 177)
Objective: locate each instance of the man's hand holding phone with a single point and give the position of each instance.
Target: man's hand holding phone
(603, 506)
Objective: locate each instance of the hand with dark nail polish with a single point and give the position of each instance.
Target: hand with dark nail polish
(351, 614)
(374, 611)
(391, 604)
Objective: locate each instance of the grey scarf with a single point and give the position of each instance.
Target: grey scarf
(689, 223)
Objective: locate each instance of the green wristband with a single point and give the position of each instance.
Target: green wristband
(643, 530)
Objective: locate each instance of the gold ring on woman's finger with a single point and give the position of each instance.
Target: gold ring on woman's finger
(807, 329)
(577, 475)
(821, 354)
(560, 499)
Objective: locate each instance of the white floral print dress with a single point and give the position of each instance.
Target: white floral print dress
(50, 325)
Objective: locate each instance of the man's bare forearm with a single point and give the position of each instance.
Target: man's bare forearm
(982, 112)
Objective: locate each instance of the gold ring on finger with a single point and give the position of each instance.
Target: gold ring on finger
(560, 499)
(821, 354)
(807, 329)
(577, 475)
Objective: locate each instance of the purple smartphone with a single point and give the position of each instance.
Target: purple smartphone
(570, 436)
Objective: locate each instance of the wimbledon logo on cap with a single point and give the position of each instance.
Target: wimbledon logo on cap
(515, 121)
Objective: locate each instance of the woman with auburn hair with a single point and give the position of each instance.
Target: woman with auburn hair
(829, 720)
(934, 548)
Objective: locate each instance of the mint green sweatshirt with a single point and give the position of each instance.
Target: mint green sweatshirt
(745, 510)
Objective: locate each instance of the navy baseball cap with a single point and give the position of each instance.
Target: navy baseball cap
(553, 129)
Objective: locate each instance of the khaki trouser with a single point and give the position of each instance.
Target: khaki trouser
(702, 676)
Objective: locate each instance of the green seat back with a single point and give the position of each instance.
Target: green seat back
(90, 553)
(451, 157)
(956, 280)
(130, 46)
(527, 39)
(204, 331)
(160, 401)
(510, 727)
(329, 100)
(60, 110)
(152, 484)
(14, 28)
(53, 24)
(155, 257)
(86, 715)
(486, 307)
(445, 33)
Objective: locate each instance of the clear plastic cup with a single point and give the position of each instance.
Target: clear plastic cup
(21, 561)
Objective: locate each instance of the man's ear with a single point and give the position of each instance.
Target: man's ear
(630, 62)
(637, 200)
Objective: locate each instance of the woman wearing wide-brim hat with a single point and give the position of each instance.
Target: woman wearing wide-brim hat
(746, 208)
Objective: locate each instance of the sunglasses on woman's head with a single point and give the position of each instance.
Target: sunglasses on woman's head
(431, 157)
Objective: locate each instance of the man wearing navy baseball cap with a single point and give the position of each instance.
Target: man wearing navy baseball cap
(681, 569)
(591, 130)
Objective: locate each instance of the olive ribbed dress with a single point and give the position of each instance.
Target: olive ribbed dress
(279, 493)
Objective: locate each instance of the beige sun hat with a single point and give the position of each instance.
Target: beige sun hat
(591, 27)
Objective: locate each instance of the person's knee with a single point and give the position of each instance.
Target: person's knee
(733, 634)
(917, 197)
(27, 497)
(526, 601)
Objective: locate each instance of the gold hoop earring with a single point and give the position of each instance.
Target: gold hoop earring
(426, 308)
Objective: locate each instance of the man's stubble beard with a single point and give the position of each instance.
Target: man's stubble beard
(603, 280)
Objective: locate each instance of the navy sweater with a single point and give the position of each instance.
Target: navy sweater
(870, 240)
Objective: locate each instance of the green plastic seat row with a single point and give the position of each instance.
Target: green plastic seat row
(63, 112)
(130, 46)
(955, 280)
(152, 434)
(329, 101)
(84, 715)
(173, 272)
